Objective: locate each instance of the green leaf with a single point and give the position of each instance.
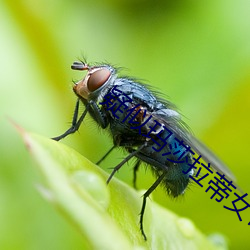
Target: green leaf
(107, 215)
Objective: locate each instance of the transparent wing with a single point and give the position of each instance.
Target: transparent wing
(210, 157)
(181, 131)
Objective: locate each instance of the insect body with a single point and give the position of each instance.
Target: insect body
(148, 127)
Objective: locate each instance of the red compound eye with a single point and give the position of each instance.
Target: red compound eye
(97, 79)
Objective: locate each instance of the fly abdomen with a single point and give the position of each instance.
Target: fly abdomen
(167, 154)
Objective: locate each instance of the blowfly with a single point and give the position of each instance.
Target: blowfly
(148, 127)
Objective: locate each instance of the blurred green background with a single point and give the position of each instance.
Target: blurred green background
(195, 52)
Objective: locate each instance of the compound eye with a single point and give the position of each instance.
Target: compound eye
(97, 79)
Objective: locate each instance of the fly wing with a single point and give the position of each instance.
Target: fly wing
(210, 157)
(171, 119)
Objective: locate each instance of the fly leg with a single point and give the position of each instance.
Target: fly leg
(124, 161)
(135, 169)
(75, 124)
(99, 116)
(105, 155)
(145, 196)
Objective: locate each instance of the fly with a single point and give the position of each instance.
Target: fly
(148, 127)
